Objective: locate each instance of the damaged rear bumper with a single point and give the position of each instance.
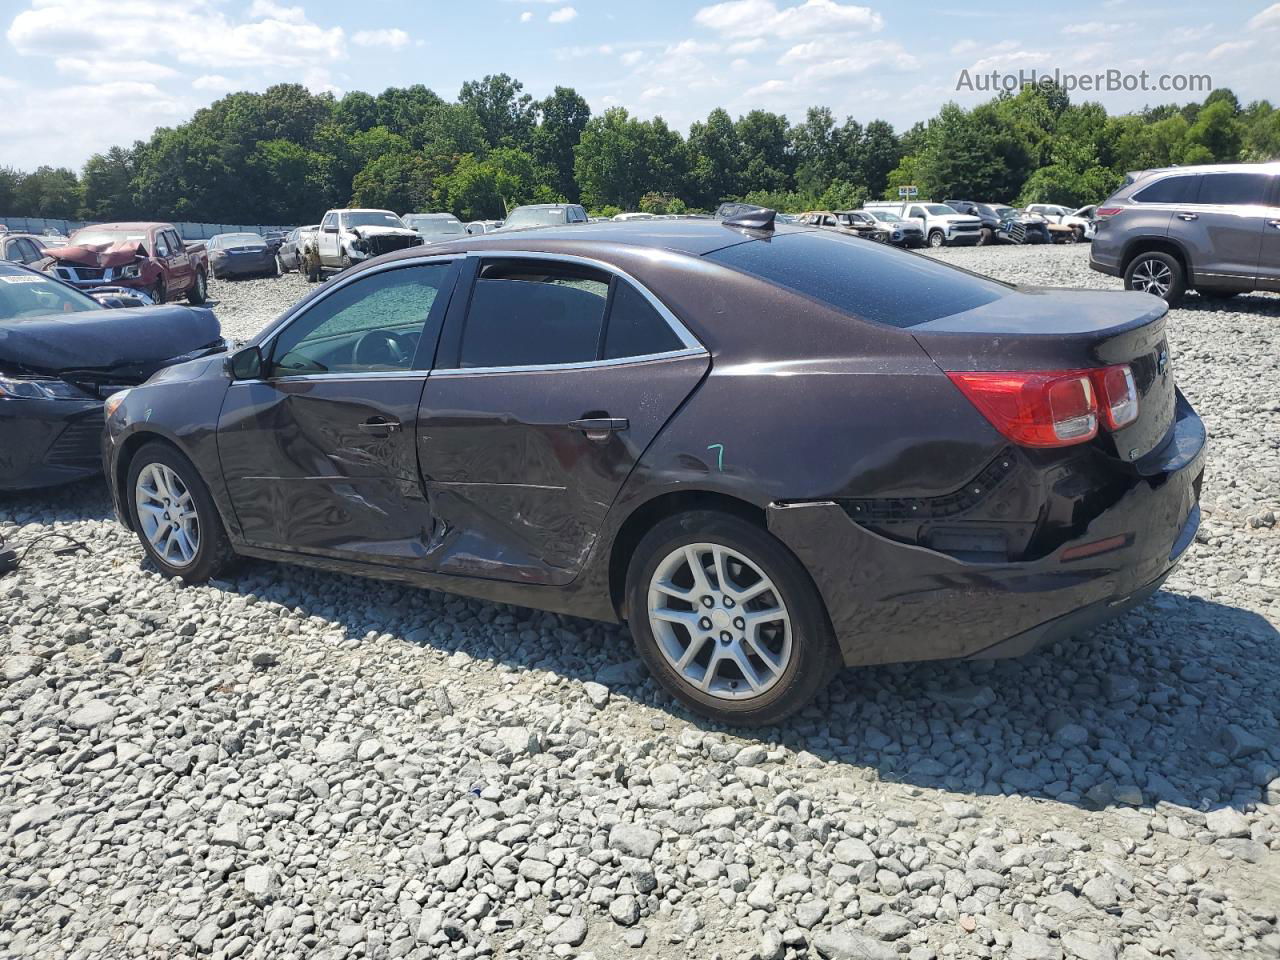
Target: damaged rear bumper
(890, 601)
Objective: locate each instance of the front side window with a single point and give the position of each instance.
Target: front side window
(1235, 188)
(162, 245)
(534, 313)
(1169, 190)
(330, 220)
(370, 325)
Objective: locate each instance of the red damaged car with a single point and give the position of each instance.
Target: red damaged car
(149, 257)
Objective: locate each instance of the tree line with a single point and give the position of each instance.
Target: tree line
(286, 154)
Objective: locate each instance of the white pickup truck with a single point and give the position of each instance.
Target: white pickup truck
(942, 225)
(347, 237)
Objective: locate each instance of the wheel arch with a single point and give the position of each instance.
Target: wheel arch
(1173, 248)
(651, 512)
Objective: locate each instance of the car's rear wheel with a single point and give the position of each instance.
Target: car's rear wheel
(728, 620)
(1157, 273)
(174, 515)
(986, 237)
(936, 239)
(199, 291)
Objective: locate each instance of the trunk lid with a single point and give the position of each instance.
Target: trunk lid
(1049, 329)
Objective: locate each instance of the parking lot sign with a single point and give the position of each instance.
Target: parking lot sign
(908, 191)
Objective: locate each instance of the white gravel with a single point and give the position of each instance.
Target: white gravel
(294, 764)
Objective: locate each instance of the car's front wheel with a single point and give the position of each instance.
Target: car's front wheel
(728, 620)
(199, 291)
(936, 239)
(1157, 273)
(174, 515)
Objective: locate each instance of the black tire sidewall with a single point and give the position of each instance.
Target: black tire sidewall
(937, 235)
(199, 289)
(1178, 280)
(815, 657)
(214, 550)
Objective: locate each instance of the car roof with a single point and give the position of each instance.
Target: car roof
(542, 206)
(1271, 166)
(691, 237)
(125, 225)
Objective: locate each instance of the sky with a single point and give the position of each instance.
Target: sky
(78, 76)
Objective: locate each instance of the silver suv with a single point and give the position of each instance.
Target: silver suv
(1212, 229)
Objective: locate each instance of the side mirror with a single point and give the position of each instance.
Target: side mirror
(330, 228)
(245, 364)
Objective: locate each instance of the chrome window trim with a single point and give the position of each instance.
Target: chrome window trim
(578, 365)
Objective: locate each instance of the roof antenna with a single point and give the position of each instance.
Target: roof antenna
(760, 218)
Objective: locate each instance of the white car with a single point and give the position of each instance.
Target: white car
(942, 225)
(477, 227)
(1082, 221)
(350, 236)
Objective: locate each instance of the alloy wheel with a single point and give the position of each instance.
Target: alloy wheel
(167, 514)
(719, 621)
(1152, 276)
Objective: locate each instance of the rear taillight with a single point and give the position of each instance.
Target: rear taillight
(1106, 213)
(1119, 396)
(1054, 408)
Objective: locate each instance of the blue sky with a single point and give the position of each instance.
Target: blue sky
(77, 76)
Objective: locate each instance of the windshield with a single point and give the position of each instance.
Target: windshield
(536, 218)
(91, 237)
(440, 225)
(886, 216)
(25, 295)
(237, 240)
(372, 218)
(939, 209)
(862, 279)
(1003, 212)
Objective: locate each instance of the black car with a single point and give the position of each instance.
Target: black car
(241, 254)
(61, 353)
(770, 451)
(1004, 224)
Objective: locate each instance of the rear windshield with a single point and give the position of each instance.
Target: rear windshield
(536, 218)
(868, 280)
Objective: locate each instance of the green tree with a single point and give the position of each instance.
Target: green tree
(715, 153)
(481, 189)
(816, 149)
(620, 158)
(505, 113)
(9, 180)
(766, 151)
(564, 116)
(48, 192)
(107, 180)
(401, 182)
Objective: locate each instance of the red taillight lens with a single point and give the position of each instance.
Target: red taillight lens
(1106, 213)
(1041, 409)
(1119, 396)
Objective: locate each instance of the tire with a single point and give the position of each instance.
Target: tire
(1078, 232)
(156, 293)
(1157, 273)
(199, 291)
(346, 262)
(788, 681)
(202, 532)
(986, 237)
(936, 239)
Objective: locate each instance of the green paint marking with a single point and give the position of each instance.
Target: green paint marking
(719, 448)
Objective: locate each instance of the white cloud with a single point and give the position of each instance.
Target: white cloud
(7, 83)
(964, 46)
(563, 15)
(632, 57)
(1006, 61)
(98, 69)
(763, 18)
(652, 93)
(1077, 29)
(526, 16)
(393, 38)
(195, 33)
(1268, 19)
(212, 81)
(747, 46)
(1232, 46)
(1190, 34)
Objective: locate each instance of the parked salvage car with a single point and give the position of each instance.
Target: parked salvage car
(902, 232)
(142, 256)
(1080, 221)
(22, 248)
(943, 226)
(61, 354)
(1214, 229)
(857, 226)
(435, 226)
(347, 237)
(241, 255)
(477, 227)
(575, 424)
(543, 215)
(289, 256)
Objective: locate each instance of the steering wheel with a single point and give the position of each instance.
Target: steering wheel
(382, 348)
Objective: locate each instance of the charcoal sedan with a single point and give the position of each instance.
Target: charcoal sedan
(62, 353)
(770, 450)
(241, 254)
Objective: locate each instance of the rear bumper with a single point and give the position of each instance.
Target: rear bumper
(891, 602)
(242, 266)
(44, 443)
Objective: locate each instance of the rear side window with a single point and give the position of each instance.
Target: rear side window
(1169, 190)
(636, 329)
(534, 313)
(865, 280)
(1243, 188)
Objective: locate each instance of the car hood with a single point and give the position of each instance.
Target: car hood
(382, 232)
(127, 344)
(98, 254)
(959, 218)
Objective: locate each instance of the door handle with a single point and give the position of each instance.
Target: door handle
(599, 428)
(1188, 216)
(379, 426)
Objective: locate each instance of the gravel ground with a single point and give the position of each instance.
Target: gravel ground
(296, 764)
